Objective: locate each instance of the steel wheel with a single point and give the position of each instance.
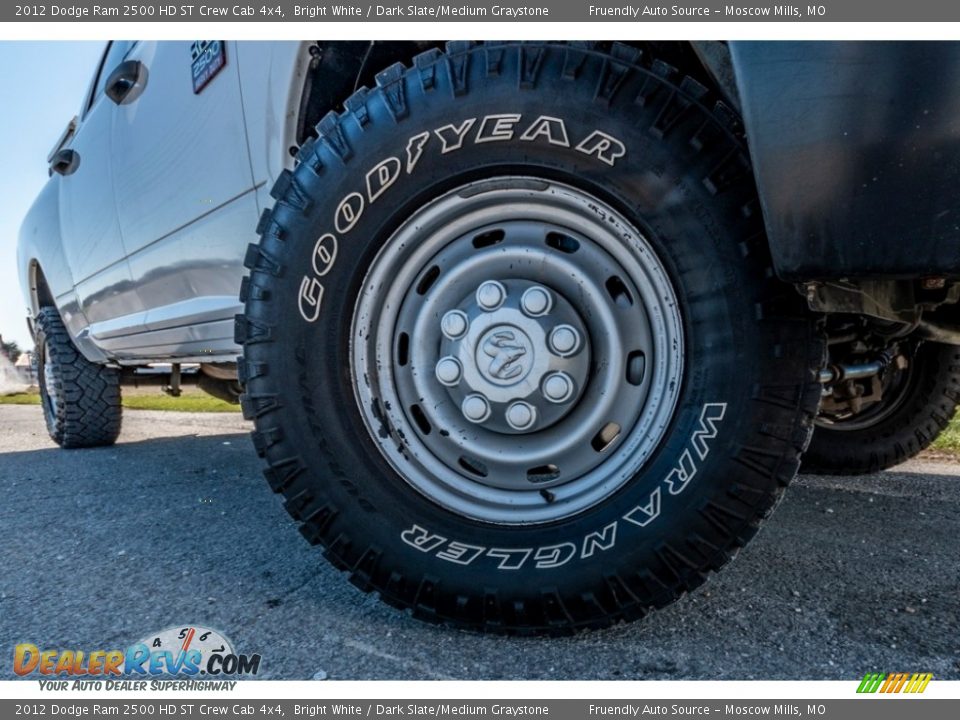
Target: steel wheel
(525, 342)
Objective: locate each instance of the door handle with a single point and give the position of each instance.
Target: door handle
(65, 162)
(126, 82)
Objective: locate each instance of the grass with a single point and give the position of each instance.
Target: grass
(949, 440)
(22, 398)
(188, 402)
(192, 400)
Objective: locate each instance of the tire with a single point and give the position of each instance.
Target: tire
(904, 424)
(649, 521)
(80, 399)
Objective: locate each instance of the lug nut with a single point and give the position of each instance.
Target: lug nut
(557, 387)
(490, 295)
(521, 415)
(564, 340)
(475, 408)
(454, 324)
(448, 371)
(536, 301)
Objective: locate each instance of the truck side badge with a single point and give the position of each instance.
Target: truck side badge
(208, 57)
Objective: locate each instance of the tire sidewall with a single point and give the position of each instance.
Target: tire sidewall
(46, 363)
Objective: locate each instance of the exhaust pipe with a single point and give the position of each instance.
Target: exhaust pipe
(838, 373)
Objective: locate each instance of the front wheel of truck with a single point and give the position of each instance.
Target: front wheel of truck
(80, 399)
(512, 344)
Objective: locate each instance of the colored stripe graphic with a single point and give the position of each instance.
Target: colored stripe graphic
(888, 683)
(901, 679)
(870, 683)
(894, 683)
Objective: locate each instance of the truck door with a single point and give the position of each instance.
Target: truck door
(89, 225)
(184, 189)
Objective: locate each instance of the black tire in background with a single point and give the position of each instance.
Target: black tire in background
(904, 423)
(80, 399)
(748, 395)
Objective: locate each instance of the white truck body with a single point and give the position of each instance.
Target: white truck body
(141, 246)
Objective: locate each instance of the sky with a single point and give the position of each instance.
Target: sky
(41, 89)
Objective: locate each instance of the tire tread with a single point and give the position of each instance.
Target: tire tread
(89, 412)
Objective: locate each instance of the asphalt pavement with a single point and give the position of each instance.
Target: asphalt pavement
(175, 525)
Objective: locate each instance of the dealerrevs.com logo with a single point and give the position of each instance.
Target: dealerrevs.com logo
(189, 651)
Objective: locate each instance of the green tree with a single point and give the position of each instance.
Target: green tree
(10, 349)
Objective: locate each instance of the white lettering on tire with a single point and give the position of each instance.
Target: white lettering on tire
(415, 150)
(324, 254)
(383, 175)
(603, 540)
(348, 212)
(494, 128)
(552, 128)
(309, 297)
(461, 554)
(422, 539)
(596, 541)
(553, 556)
(606, 147)
(510, 558)
(643, 515)
(452, 135)
(497, 127)
(711, 414)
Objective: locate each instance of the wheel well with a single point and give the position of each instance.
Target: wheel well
(338, 68)
(40, 290)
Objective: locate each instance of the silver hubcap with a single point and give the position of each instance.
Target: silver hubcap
(512, 356)
(517, 351)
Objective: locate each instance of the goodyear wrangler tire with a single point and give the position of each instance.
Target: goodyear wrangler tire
(917, 405)
(512, 345)
(80, 399)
